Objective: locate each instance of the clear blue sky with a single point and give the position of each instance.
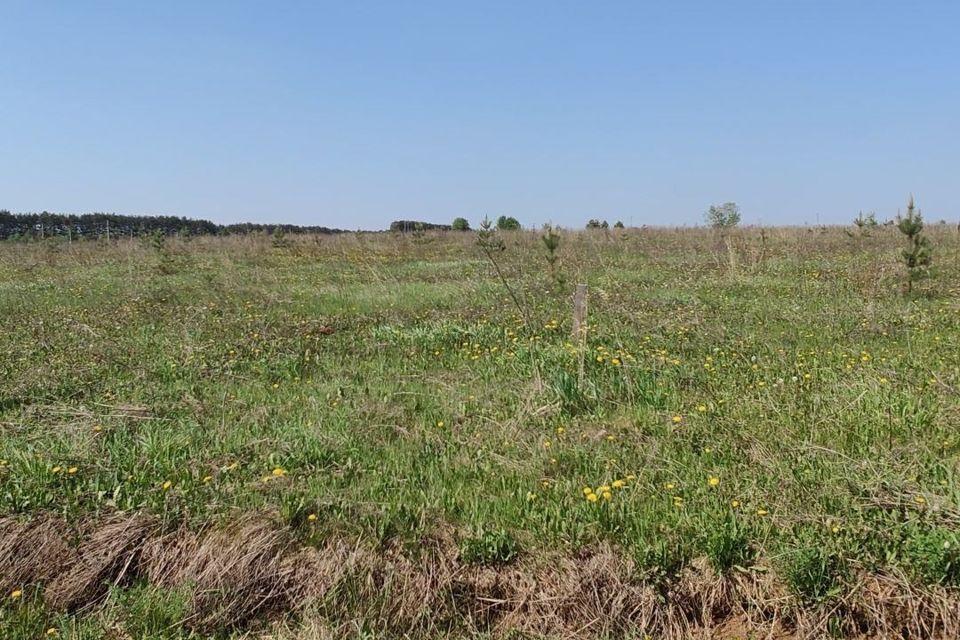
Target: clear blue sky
(354, 113)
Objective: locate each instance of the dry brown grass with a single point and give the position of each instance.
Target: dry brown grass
(32, 551)
(107, 557)
(254, 571)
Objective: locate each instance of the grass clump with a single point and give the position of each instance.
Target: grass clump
(490, 547)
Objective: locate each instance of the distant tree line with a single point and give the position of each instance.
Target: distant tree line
(407, 226)
(28, 226)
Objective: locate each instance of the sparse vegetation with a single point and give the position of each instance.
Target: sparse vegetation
(364, 437)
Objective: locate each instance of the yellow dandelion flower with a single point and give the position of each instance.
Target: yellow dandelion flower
(677, 501)
(72, 470)
(592, 497)
(52, 631)
(669, 486)
(607, 495)
(440, 423)
(762, 512)
(207, 478)
(735, 504)
(919, 499)
(56, 469)
(677, 419)
(631, 478)
(713, 481)
(701, 408)
(604, 489)
(618, 484)
(16, 594)
(312, 517)
(587, 491)
(166, 485)
(279, 472)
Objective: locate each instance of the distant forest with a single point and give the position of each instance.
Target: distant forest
(35, 226)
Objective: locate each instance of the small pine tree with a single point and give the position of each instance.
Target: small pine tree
(279, 239)
(418, 231)
(917, 256)
(492, 244)
(865, 222)
(487, 238)
(551, 240)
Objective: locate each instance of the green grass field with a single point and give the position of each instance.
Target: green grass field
(364, 436)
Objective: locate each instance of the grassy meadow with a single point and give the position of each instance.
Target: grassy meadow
(366, 436)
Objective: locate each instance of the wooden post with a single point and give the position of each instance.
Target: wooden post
(580, 327)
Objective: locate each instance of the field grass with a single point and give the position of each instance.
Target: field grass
(362, 436)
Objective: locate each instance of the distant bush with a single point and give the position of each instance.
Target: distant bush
(723, 216)
(460, 224)
(505, 223)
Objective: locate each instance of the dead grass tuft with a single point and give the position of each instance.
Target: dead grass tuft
(249, 570)
(108, 557)
(32, 552)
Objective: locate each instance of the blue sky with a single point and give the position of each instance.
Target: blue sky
(352, 114)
